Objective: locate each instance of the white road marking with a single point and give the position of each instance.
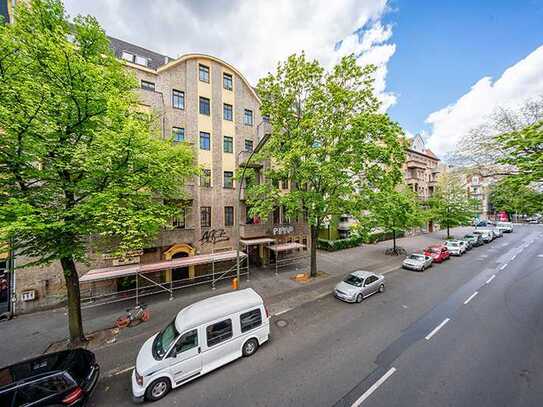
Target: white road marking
(471, 297)
(540, 255)
(116, 372)
(374, 387)
(492, 277)
(437, 328)
(282, 312)
(514, 257)
(504, 266)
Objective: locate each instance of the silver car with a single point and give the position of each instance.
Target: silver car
(359, 285)
(455, 248)
(417, 262)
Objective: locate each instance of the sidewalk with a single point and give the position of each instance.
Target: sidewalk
(29, 335)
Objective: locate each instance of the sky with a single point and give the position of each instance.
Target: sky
(442, 66)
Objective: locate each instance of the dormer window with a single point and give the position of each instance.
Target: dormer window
(135, 59)
(127, 56)
(141, 60)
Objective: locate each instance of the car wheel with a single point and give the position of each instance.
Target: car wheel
(250, 347)
(158, 389)
(382, 288)
(359, 298)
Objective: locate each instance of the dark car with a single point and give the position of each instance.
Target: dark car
(475, 240)
(64, 378)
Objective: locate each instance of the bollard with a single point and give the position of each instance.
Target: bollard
(235, 283)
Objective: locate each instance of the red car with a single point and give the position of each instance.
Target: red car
(438, 252)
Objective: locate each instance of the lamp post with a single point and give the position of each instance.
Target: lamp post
(258, 147)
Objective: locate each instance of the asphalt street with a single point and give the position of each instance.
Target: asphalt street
(463, 333)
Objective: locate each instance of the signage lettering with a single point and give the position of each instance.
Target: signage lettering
(282, 230)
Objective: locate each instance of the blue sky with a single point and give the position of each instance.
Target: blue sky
(444, 47)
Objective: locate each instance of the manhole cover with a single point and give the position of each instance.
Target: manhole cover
(281, 323)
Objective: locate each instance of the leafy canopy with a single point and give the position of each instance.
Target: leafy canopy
(510, 196)
(79, 159)
(328, 137)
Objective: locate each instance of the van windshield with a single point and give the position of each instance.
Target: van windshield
(164, 340)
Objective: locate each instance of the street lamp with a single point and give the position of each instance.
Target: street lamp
(258, 147)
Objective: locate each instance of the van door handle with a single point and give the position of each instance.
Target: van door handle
(199, 350)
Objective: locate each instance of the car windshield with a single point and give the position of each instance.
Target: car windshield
(353, 280)
(164, 340)
(416, 257)
(433, 250)
(453, 244)
(469, 237)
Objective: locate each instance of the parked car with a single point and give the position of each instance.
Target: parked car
(203, 336)
(417, 262)
(475, 239)
(65, 378)
(498, 232)
(437, 252)
(455, 248)
(506, 227)
(466, 244)
(359, 285)
(485, 234)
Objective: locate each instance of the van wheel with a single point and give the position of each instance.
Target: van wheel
(158, 389)
(249, 347)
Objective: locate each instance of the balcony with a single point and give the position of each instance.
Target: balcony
(244, 157)
(416, 164)
(253, 231)
(170, 237)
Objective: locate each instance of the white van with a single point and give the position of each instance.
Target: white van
(202, 337)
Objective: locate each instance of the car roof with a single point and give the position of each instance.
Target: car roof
(435, 246)
(362, 273)
(39, 366)
(216, 307)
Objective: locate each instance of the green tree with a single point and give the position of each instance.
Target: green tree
(78, 163)
(394, 210)
(515, 198)
(328, 137)
(450, 205)
(524, 151)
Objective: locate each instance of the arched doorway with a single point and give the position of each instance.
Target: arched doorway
(180, 273)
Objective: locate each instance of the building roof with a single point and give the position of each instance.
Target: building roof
(430, 153)
(216, 307)
(155, 59)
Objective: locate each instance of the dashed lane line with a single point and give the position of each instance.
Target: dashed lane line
(492, 277)
(374, 387)
(436, 329)
(471, 297)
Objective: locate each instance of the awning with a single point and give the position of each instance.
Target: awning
(286, 246)
(262, 240)
(109, 273)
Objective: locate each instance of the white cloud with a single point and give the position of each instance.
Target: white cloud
(253, 35)
(519, 83)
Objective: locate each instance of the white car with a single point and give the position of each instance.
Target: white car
(359, 285)
(417, 262)
(203, 336)
(455, 248)
(487, 234)
(506, 227)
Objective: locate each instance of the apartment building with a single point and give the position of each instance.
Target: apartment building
(207, 103)
(421, 168)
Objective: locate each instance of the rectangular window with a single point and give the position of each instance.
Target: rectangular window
(227, 81)
(188, 341)
(178, 99)
(178, 221)
(148, 85)
(205, 216)
(205, 178)
(227, 112)
(127, 56)
(284, 184)
(277, 216)
(204, 73)
(219, 332)
(248, 117)
(204, 106)
(228, 179)
(248, 145)
(250, 320)
(228, 216)
(205, 141)
(178, 134)
(141, 60)
(228, 144)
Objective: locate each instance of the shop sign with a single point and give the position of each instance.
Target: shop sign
(282, 230)
(214, 236)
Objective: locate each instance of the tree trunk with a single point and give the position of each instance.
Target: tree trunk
(448, 232)
(394, 240)
(75, 323)
(314, 237)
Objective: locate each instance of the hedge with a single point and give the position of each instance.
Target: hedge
(340, 244)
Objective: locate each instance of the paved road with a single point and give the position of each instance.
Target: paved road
(336, 354)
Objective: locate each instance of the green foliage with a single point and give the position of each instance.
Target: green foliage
(328, 137)
(524, 150)
(376, 237)
(450, 205)
(516, 198)
(340, 244)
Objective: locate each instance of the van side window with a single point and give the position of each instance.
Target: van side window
(219, 332)
(188, 341)
(250, 320)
